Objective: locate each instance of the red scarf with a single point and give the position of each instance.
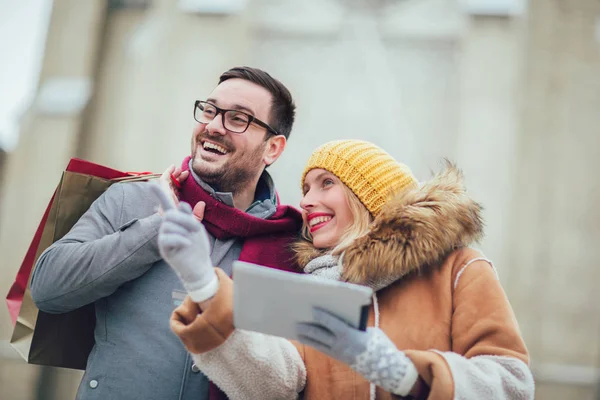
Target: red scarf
(266, 241)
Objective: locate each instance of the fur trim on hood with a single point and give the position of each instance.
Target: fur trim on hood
(415, 229)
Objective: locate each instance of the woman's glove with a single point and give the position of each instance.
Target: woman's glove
(184, 245)
(370, 353)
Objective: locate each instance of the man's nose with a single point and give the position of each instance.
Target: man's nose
(216, 127)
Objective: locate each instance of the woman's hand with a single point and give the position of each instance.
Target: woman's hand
(370, 353)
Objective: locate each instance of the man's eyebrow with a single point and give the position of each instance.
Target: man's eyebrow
(237, 107)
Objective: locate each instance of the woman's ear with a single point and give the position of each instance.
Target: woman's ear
(275, 146)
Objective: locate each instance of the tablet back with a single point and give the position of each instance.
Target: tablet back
(272, 301)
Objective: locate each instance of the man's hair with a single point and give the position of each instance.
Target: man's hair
(283, 108)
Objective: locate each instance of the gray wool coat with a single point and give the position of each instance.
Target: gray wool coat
(111, 258)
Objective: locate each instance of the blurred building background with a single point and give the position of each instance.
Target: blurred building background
(509, 89)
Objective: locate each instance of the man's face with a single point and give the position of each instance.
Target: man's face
(230, 161)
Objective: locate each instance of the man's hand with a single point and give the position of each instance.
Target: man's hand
(184, 245)
(170, 181)
(370, 353)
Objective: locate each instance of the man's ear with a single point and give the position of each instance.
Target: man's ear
(275, 146)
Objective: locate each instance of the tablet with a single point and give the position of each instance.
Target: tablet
(271, 301)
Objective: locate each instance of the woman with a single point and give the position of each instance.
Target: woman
(440, 326)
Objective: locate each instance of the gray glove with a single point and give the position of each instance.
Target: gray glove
(184, 245)
(370, 353)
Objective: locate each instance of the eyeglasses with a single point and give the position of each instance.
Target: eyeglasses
(233, 120)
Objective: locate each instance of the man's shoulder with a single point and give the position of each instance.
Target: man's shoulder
(136, 198)
(134, 188)
(130, 190)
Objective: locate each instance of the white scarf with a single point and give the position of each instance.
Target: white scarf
(330, 267)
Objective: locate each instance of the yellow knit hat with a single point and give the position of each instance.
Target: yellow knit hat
(369, 171)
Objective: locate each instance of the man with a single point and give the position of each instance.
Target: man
(111, 258)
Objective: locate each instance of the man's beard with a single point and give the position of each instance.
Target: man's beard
(236, 174)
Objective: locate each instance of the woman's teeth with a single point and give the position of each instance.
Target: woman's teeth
(318, 220)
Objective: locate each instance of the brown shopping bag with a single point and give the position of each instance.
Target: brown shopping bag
(60, 340)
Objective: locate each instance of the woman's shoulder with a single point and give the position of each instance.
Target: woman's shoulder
(461, 259)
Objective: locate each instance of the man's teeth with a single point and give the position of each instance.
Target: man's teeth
(318, 220)
(208, 145)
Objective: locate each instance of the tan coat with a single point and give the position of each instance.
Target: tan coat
(446, 297)
(426, 312)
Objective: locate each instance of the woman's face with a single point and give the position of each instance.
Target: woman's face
(325, 209)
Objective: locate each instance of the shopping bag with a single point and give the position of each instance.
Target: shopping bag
(60, 340)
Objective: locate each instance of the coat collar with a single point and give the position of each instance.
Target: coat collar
(414, 231)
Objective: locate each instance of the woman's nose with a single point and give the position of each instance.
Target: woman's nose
(307, 202)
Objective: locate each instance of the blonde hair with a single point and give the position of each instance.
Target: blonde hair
(359, 226)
